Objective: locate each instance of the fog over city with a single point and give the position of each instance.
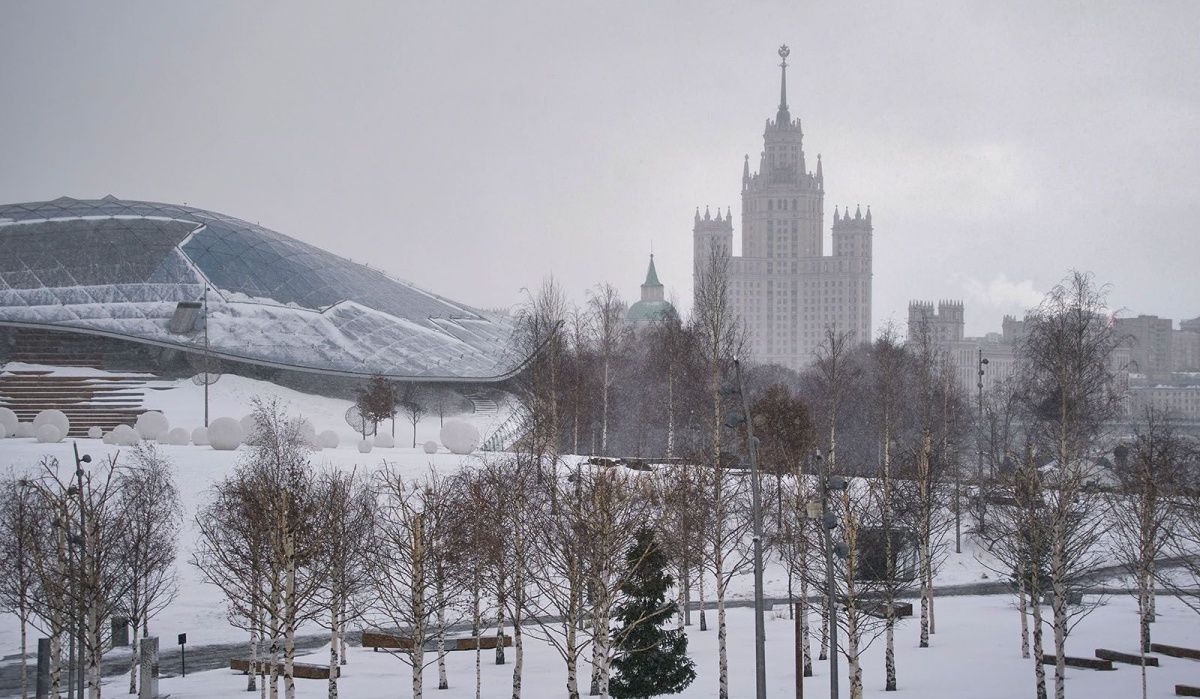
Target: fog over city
(474, 149)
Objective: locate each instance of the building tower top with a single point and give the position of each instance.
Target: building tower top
(783, 117)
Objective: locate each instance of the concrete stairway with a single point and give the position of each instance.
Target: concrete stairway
(103, 401)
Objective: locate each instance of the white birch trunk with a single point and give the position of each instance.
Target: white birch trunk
(333, 650)
(722, 639)
(805, 646)
(1057, 584)
(418, 666)
(1039, 669)
(289, 644)
(1023, 607)
(94, 649)
(253, 672)
(443, 681)
(671, 415)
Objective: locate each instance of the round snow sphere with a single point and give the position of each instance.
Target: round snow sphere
(178, 437)
(107, 438)
(200, 436)
(49, 434)
(225, 434)
(364, 446)
(430, 447)
(460, 437)
(95, 432)
(152, 425)
(53, 417)
(308, 432)
(125, 436)
(9, 419)
(24, 429)
(328, 439)
(384, 441)
(249, 425)
(3, 430)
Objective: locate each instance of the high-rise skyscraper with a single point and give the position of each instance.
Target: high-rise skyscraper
(783, 286)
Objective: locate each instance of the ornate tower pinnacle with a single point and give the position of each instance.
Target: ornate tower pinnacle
(783, 116)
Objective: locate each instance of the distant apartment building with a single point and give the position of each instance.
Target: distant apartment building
(945, 323)
(1185, 349)
(1149, 341)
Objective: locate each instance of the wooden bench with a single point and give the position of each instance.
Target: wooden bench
(1086, 663)
(302, 671)
(1184, 690)
(1175, 651)
(1130, 658)
(376, 640)
(879, 609)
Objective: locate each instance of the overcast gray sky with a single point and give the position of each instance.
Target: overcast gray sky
(473, 148)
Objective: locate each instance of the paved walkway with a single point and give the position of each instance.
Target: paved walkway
(216, 656)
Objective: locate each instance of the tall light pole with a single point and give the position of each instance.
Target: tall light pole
(207, 358)
(829, 484)
(83, 574)
(979, 446)
(760, 632)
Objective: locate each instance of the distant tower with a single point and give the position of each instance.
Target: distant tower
(784, 288)
(653, 305)
(710, 236)
(945, 324)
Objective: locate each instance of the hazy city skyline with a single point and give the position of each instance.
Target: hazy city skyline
(473, 150)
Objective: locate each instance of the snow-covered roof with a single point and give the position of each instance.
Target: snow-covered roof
(119, 268)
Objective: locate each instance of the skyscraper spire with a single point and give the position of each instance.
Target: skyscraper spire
(783, 116)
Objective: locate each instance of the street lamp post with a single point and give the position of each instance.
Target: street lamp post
(83, 583)
(979, 446)
(207, 358)
(760, 633)
(830, 483)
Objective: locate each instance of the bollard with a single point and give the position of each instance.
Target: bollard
(149, 660)
(43, 669)
(120, 632)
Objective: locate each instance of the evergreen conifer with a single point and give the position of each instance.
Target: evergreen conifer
(650, 659)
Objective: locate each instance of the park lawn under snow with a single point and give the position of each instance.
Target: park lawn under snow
(975, 654)
(199, 610)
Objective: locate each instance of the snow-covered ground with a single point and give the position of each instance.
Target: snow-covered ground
(198, 609)
(976, 653)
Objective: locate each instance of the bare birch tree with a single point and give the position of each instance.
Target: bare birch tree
(148, 542)
(1069, 394)
(19, 515)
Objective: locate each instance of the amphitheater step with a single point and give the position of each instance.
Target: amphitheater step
(103, 401)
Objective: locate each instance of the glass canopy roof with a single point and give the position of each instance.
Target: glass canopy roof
(119, 268)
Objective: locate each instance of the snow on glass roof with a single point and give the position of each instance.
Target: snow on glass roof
(119, 268)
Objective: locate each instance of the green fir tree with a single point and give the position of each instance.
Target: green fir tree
(650, 659)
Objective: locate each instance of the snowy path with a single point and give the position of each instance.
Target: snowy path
(974, 654)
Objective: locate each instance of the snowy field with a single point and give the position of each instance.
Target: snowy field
(976, 654)
(198, 610)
